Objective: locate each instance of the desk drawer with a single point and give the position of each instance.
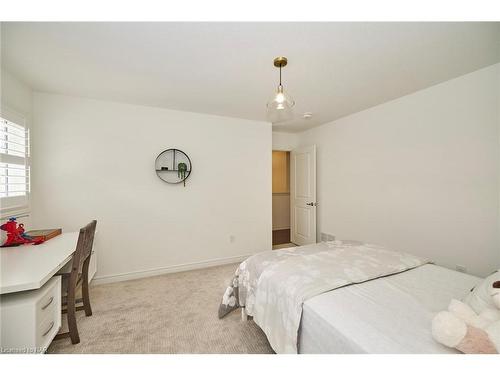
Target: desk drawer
(31, 319)
(48, 304)
(46, 332)
(48, 313)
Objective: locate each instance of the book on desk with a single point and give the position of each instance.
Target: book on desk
(43, 234)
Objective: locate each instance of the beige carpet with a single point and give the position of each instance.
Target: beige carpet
(173, 313)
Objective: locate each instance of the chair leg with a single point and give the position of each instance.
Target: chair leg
(71, 314)
(85, 287)
(85, 294)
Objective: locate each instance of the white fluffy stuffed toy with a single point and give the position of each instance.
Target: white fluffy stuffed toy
(467, 330)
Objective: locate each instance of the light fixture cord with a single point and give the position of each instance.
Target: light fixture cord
(280, 74)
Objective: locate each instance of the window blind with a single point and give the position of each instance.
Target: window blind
(14, 164)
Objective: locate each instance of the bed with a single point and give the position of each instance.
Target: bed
(344, 297)
(387, 315)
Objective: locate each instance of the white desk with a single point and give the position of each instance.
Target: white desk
(29, 267)
(30, 301)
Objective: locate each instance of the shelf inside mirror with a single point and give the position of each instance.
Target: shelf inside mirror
(169, 170)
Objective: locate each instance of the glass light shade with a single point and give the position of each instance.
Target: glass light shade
(280, 107)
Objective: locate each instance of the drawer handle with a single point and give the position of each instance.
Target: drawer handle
(50, 328)
(48, 304)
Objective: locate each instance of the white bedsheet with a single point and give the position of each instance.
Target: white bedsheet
(388, 315)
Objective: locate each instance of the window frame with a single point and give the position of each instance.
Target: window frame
(17, 205)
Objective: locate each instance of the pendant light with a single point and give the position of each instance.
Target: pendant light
(279, 108)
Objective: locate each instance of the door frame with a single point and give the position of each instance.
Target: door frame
(290, 149)
(290, 196)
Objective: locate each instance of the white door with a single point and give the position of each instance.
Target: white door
(303, 195)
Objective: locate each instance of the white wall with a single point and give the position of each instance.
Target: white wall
(281, 211)
(16, 95)
(419, 174)
(285, 141)
(95, 159)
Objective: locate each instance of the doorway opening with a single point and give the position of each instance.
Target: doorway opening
(281, 199)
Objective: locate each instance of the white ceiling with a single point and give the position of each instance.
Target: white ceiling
(335, 69)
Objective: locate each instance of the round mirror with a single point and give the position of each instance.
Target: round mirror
(173, 166)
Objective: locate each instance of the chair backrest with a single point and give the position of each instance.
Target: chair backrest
(83, 247)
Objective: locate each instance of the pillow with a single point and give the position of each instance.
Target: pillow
(480, 296)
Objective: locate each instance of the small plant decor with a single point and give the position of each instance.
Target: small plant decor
(181, 171)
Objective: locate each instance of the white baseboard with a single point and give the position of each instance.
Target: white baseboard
(169, 269)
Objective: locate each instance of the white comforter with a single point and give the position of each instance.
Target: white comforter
(390, 315)
(273, 285)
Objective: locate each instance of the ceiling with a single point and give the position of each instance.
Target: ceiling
(334, 69)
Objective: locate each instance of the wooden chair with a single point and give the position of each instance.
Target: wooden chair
(75, 276)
